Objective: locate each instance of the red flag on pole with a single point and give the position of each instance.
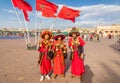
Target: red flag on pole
(47, 8)
(48, 15)
(15, 2)
(21, 4)
(24, 6)
(68, 13)
(25, 15)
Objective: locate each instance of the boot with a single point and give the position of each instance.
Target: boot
(54, 76)
(47, 77)
(81, 78)
(63, 76)
(42, 78)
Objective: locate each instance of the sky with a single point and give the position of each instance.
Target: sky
(93, 13)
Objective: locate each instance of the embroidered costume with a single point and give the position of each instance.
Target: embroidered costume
(76, 45)
(45, 46)
(60, 51)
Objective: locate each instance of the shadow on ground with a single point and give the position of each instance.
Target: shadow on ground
(68, 62)
(88, 75)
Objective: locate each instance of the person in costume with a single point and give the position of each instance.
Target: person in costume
(45, 49)
(91, 37)
(96, 36)
(109, 36)
(76, 44)
(60, 55)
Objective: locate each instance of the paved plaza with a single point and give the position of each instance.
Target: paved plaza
(19, 65)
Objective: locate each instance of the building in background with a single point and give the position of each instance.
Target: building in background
(114, 30)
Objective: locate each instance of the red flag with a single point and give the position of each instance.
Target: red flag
(47, 8)
(48, 15)
(15, 2)
(25, 15)
(68, 13)
(24, 6)
(21, 4)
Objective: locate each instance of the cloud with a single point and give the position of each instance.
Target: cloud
(92, 16)
(12, 18)
(99, 10)
(4, 10)
(10, 11)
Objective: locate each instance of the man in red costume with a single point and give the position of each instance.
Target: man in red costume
(45, 46)
(76, 44)
(60, 55)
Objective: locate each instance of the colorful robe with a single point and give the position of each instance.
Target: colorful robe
(45, 62)
(77, 65)
(59, 59)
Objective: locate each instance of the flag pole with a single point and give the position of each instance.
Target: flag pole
(39, 29)
(26, 28)
(20, 23)
(52, 26)
(38, 37)
(35, 27)
(35, 24)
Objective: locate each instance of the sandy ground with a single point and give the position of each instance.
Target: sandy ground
(19, 65)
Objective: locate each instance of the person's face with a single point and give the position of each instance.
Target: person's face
(46, 36)
(74, 35)
(59, 38)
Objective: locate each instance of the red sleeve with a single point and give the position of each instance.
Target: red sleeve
(40, 47)
(82, 42)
